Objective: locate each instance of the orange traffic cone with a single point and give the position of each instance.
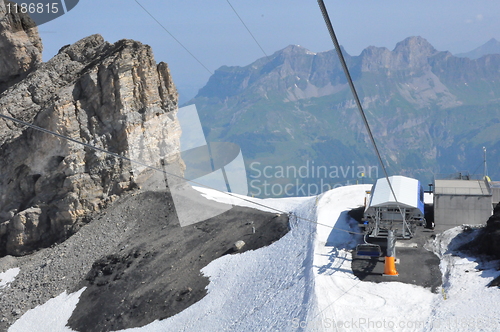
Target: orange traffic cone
(390, 267)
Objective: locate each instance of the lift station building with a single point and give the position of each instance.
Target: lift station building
(461, 200)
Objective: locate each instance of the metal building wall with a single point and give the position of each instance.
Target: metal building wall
(496, 195)
(455, 210)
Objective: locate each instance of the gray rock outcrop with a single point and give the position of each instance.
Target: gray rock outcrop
(20, 45)
(112, 96)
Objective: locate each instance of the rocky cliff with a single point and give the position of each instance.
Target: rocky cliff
(487, 240)
(112, 96)
(20, 45)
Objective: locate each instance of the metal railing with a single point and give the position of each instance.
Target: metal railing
(458, 176)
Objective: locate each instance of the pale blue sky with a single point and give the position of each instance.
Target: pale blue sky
(213, 33)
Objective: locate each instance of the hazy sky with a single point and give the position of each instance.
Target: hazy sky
(214, 34)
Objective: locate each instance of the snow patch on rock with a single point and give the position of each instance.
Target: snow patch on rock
(8, 277)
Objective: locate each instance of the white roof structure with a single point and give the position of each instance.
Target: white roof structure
(406, 189)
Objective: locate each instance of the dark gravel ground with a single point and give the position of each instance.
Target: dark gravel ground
(156, 272)
(137, 263)
(417, 265)
(50, 271)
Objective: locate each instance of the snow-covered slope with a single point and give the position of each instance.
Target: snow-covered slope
(466, 303)
(304, 282)
(50, 317)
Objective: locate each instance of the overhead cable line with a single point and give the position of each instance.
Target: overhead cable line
(50, 132)
(255, 39)
(329, 26)
(171, 35)
(246, 27)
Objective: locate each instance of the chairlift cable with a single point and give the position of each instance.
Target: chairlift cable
(171, 35)
(329, 26)
(246, 27)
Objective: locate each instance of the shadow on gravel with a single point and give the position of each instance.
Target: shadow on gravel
(155, 274)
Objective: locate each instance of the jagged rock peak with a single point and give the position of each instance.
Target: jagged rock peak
(295, 49)
(20, 46)
(415, 43)
(414, 51)
(112, 96)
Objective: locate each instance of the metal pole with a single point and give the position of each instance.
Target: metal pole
(335, 41)
(390, 258)
(485, 167)
(391, 244)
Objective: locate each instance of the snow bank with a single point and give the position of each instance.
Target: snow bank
(52, 316)
(8, 277)
(466, 303)
(286, 204)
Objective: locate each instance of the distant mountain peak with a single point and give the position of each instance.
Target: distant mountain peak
(292, 51)
(414, 43)
(295, 48)
(492, 46)
(412, 52)
(492, 43)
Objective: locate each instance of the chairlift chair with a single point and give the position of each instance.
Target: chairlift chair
(368, 249)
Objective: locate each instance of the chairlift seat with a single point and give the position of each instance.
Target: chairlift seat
(368, 249)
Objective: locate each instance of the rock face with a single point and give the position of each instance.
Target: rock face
(487, 242)
(20, 45)
(111, 96)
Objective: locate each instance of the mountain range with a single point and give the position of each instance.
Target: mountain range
(431, 112)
